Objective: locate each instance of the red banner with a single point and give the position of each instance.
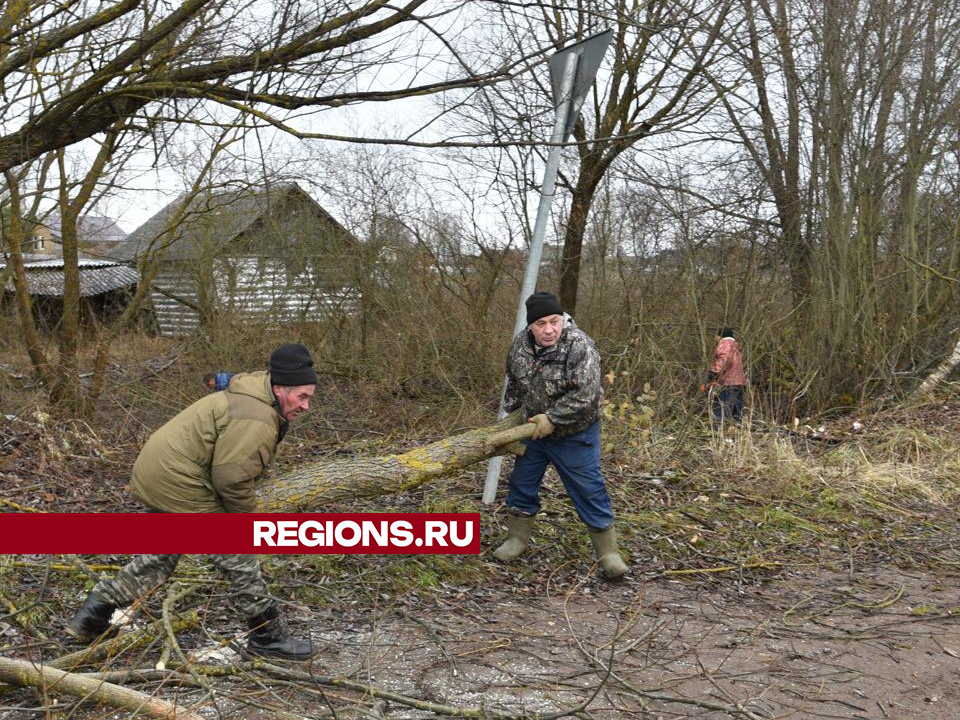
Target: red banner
(227, 533)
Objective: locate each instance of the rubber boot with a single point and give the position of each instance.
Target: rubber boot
(605, 546)
(269, 638)
(92, 619)
(519, 528)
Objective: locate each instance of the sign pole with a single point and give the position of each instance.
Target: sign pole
(572, 72)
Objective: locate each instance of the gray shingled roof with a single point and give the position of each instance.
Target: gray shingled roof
(90, 228)
(220, 217)
(45, 277)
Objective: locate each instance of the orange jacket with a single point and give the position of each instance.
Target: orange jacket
(728, 363)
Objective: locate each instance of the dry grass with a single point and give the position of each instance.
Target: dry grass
(686, 494)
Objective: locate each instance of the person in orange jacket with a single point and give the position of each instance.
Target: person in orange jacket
(726, 374)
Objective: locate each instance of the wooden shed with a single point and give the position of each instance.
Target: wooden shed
(105, 289)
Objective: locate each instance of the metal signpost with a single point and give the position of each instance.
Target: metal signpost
(572, 71)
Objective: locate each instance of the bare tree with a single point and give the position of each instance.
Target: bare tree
(131, 74)
(651, 83)
(847, 113)
(144, 62)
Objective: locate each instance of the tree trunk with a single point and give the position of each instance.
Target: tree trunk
(309, 487)
(51, 680)
(940, 374)
(590, 174)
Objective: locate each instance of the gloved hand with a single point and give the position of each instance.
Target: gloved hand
(543, 426)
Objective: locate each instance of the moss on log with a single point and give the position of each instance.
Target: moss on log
(309, 487)
(55, 681)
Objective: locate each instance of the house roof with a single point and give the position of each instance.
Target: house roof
(222, 216)
(90, 228)
(45, 277)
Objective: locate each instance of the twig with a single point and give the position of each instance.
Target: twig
(433, 636)
(122, 643)
(765, 564)
(369, 690)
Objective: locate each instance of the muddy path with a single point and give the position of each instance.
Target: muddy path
(878, 642)
(883, 643)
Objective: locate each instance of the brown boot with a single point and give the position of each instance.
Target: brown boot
(605, 546)
(519, 528)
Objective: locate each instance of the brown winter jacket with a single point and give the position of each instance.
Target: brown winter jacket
(727, 363)
(207, 458)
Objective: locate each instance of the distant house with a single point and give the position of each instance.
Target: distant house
(105, 288)
(270, 253)
(97, 236)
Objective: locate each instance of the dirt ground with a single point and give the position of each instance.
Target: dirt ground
(866, 645)
(866, 629)
(809, 645)
(868, 642)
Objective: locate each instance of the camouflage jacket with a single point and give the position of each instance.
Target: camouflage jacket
(562, 381)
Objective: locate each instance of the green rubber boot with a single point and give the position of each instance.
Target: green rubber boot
(519, 528)
(605, 546)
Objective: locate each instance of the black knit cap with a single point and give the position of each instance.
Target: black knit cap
(726, 332)
(541, 304)
(292, 365)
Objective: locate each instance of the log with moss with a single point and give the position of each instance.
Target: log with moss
(311, 486)
(90, 690)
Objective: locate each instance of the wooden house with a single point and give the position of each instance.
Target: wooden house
(267, 253)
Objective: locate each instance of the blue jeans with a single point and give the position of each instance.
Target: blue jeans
(728, 403)
(577, 460)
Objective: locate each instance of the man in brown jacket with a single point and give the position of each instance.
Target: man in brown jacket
(206, 460)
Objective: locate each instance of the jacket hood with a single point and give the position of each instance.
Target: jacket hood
(255, 384)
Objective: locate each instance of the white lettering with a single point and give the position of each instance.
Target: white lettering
(352, 527)
(362, 533)
(434, 530)
(263, 532)
(287, 532)
(370, 531)
(402, 535)
(308, 538)
(467, 533)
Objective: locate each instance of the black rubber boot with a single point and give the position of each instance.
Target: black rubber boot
(269, 638)
(92, 619)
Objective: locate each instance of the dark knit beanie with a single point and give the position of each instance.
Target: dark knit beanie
(292, 365)
(726, 332)
(541, 304)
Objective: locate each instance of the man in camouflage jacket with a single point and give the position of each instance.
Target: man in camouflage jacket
(553, 374)
(206, 460)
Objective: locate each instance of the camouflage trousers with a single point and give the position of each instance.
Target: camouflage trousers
(142, 575)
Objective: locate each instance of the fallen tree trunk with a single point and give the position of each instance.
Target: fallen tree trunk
(52, 680)
(311, 486)
(940, 374)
